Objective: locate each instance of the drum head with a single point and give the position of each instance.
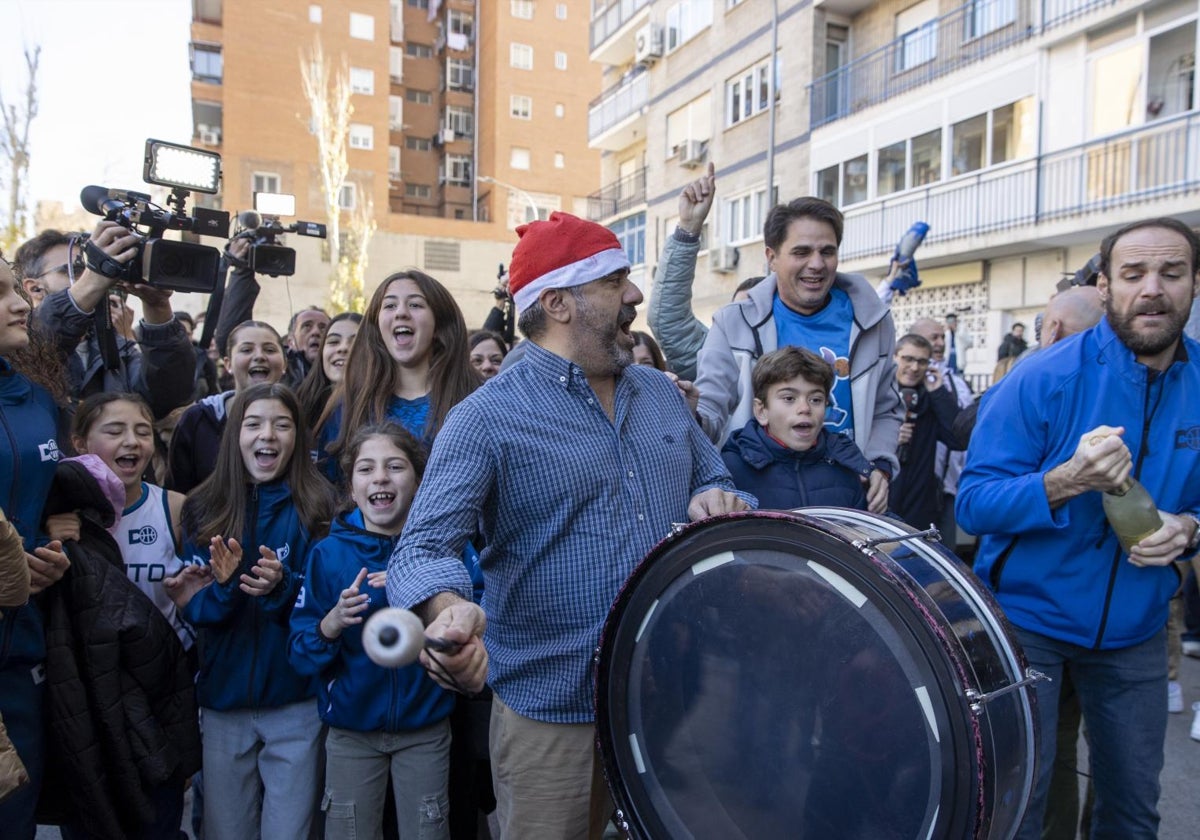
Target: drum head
(759, 677)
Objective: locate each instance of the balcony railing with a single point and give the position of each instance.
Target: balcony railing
(618, 196)
(963, 36)
(1150, 162)
(626, 97)
(613, 17)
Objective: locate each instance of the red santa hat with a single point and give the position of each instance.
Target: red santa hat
(559, 253)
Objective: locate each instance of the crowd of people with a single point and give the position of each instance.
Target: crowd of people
(192, 538)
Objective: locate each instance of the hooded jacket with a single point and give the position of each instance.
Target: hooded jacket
(353, 692)
(1061, 572)
(743, 332)
(243, 638)
(121, 708)
(784, 479)
(194, 445)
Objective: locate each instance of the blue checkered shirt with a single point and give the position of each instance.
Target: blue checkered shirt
(568, 502)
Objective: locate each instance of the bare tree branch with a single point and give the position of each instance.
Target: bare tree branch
(14, 149)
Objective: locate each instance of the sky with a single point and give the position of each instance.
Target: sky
(112, 73)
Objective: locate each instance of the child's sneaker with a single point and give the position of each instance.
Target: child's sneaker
(1196, 722)
(1174, 697)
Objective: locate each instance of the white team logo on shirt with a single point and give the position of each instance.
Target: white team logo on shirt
(146, 535)
(49, 450)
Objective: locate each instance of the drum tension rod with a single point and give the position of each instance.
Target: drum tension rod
(978, 700)
(931, 533)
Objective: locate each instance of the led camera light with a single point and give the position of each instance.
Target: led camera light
(171, 165)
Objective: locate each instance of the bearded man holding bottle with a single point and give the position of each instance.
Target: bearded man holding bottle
(1071, 424)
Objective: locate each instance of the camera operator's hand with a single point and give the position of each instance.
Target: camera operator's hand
(118, 243)
(156, 302)
(239, 248)
(696, 200)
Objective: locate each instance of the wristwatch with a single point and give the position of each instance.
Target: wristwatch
(1194, 542)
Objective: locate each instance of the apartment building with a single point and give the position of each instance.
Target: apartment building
(469, 119)
(693, 81)
(1022, 131)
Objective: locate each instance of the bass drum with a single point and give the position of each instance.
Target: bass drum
(816, 674)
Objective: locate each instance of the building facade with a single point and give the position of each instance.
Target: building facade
(1021, 131)
(469, 116)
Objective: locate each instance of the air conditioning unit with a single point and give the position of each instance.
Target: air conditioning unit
(691, 153)
(447, 135)
(210, 136)
(649, 44)
(723, 258)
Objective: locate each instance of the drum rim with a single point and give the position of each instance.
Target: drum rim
(953, 659)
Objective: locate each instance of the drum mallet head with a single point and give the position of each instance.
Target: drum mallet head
(393, 638)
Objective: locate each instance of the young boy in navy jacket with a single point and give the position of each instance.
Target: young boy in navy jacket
(783, 455)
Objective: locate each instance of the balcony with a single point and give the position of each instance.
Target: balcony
(612, 30)
(619, 196)
(938, 47)
(1141, 166)
(615, 115)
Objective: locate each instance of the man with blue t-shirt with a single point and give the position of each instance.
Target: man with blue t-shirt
(805, 302)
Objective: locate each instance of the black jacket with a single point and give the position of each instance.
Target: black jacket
(193, 453)
(916, 492)
(121, 709)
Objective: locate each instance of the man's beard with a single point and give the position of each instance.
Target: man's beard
(1146, 342)
(599, 338)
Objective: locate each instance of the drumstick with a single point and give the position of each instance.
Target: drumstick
(394, 638)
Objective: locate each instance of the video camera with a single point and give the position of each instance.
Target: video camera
(261, 225)
(164, 263)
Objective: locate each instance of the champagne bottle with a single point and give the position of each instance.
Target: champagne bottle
(1131, 512)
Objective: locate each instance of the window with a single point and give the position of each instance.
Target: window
(314, 13)
(691, 122)
(560, 11)
(362, 80)
(458, 170)
(362, 26)
(520, 107)
(395, 113)
(685, 19)
(854, 180)
(748, 93)
(984, 16)
(418, 144)
(461, 120)
(396, 64)
(1013, 131)
(347, 196)
(266, 182)
(520, 56)
(743, 217)
(968, 149)
(917, 32)
(890, 168)
(927, 158)
(560, 61)
(560, 110)
(419, 4)
(394, 160)
(560, 160)
(827, 185)
(415, 50)
(417, 191)
(522, 9)
(362, 136)
(631, 232)
(519, 158)
(460, 74)
(207, 65)
(461, 23)
(420, 97)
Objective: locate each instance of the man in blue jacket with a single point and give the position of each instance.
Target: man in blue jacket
(1076, 420)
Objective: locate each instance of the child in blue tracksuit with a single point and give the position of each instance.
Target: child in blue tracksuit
(379, 718)
(262, 773)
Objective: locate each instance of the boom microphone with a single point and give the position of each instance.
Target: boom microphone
(101, 200)
(249, 219)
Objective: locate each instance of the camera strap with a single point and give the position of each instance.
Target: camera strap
(100, 262)
(106, 336)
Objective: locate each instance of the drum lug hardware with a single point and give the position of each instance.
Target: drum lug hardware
(930, 533)
(978, 700)
(677, 528)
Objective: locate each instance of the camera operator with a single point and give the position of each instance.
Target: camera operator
(305, 331)
(159, 363)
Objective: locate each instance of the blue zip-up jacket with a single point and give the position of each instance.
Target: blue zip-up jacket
(1062, 573)
(28, 457)
(242, 638)
(783, 479)
(353, 692)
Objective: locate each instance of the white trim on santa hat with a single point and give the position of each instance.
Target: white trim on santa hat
(586, 270)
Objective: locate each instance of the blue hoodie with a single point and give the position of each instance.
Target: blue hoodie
(783, 479)
(355, 693)
(28, 457)
(243, 638)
